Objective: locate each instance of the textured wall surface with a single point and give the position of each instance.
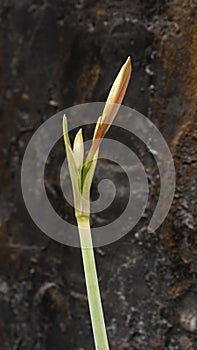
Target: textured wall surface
(55, 54)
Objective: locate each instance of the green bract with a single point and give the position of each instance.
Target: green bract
(81, 174)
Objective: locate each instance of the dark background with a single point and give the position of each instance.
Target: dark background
(55, 54)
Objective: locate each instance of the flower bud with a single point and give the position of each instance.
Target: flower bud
(117, 93)
(78, 149)
(112, 106)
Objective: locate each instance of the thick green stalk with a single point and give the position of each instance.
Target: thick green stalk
(94, 298)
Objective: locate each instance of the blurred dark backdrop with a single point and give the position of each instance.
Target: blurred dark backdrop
(55, 54)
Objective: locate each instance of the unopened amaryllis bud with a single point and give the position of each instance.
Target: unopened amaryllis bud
(78, 149)
(117, 93)
(112, 106)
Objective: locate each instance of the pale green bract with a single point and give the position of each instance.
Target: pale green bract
(81, 175)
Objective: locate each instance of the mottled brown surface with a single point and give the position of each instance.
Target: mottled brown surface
(54, 54)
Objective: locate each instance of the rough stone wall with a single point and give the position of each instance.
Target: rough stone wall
(54, 54)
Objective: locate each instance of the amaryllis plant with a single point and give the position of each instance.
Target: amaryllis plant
(81, 173)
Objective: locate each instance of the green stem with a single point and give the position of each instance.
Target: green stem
(94, 298)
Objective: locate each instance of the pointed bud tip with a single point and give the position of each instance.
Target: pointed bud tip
(80, 131)
(128, 59)
(128, 65)
(78, 139)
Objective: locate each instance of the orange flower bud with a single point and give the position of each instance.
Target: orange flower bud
(112, 105)
(117, 93)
